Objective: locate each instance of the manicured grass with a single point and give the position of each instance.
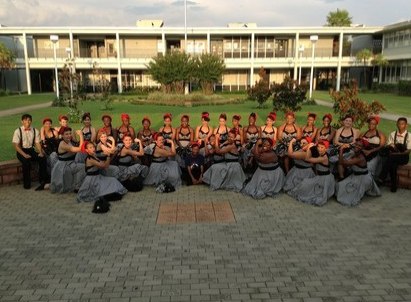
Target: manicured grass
(15, 101)
(137, 112)
(395, 104)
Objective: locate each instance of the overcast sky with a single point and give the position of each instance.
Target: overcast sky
(200, 13)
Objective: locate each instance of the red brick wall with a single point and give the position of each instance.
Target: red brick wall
(11, 172)
(404, 176)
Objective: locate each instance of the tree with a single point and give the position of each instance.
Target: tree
(347, 102)
(339, 18)
(379, 61)
(209, 69)
(364, 56)
(260, 92)
(172, 71)
(7, 61)
(289, 95)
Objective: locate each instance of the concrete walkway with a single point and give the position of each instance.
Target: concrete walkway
(387, 116)
(278, 249)
(25, 109)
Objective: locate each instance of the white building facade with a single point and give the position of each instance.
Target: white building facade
(123, 53)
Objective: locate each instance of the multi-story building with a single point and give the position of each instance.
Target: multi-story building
(124, 52)
(397, 50)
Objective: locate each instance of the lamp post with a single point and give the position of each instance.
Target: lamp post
(300, 50)
(54, 39)
(313, 40)
(68, 50)
(186, 88)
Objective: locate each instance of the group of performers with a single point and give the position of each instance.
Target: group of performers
(309, 163)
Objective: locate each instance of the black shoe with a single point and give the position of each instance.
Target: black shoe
(27, 187)
(393, 189)
(41, 186)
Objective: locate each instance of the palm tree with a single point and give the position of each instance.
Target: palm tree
(378, 60)
(7, 61)
(364, 56)
(339, 18)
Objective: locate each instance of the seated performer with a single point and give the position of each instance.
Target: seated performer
(25, 138)
(128, 162)
(67, 175)
(226, 175)
(95, 185)
(398, 147)
(316, 190)
(352, 189)
(194, 165)
(269, 178)
(301, 169)
(162, 169)
(377, 140)
(286, 132)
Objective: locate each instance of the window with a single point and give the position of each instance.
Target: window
(110, 47)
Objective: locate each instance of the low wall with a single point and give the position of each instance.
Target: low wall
(11, 174)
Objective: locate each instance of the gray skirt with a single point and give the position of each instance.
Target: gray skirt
(295, 176)
(225, 175)
(96, 186)
(351, 190)
(265, 183)
(67, 176)
(316, 190)
(163, 172)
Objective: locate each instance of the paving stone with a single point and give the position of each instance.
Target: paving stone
(274, 250)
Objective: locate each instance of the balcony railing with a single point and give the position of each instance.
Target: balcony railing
(146, 54)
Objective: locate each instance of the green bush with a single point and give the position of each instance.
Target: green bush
(404, 88)
(139, 90)
(288, 96)
(189, 100)
(261, 91)
(58, 102)
(385, 87)
(4, 92)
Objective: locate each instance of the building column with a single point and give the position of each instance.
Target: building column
(119, 82)
(252, 61)
(208, 43)
(26, 60)
(72, 51)
(340, 49)
(163, 41)
(296, 53)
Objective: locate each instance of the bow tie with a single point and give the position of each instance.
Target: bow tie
(28, 129)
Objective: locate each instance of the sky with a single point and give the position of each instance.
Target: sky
(200, 13)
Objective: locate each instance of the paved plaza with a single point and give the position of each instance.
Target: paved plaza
(276, 249)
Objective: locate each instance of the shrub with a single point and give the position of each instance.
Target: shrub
(385, 87)
(192, 99)
(348, 103)
(404, 88)
(288, 95)
(260, 92)
(4, 92)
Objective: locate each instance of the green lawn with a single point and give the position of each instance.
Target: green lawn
(395, 104)
(14, 101)
(137, 112)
